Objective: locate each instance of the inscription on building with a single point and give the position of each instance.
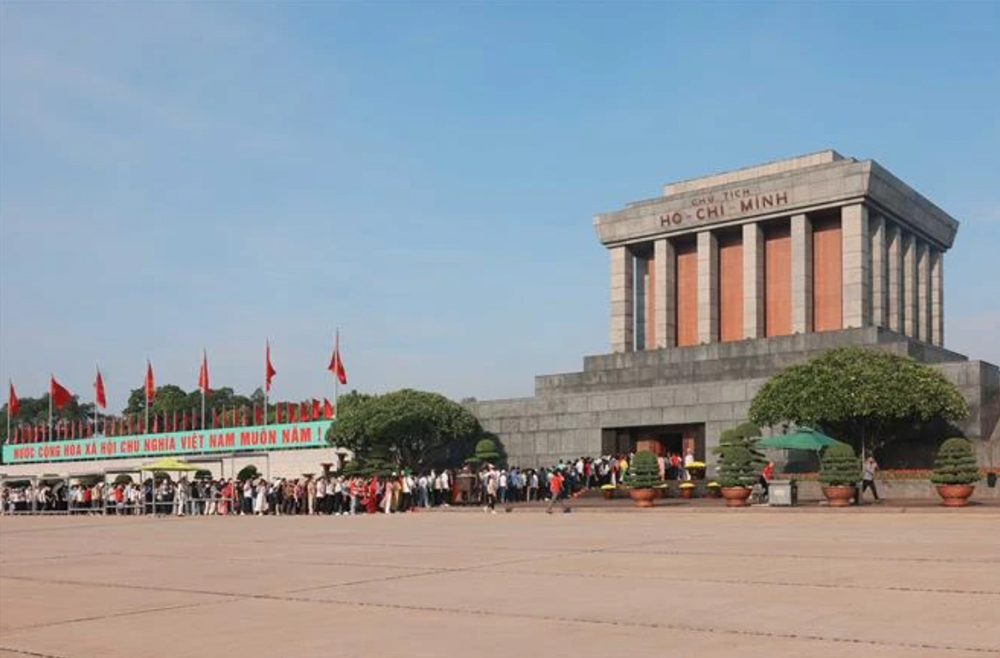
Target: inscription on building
(726, 204)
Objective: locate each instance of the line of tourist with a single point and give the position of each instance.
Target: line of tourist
(396, 492)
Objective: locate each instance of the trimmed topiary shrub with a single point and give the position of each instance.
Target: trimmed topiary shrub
(644, 471)
(486, 451)
(840, 466)
(955, 463)
(739, 463)
(248, 472)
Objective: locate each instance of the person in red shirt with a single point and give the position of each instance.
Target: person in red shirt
(766, 476)
(555, 487)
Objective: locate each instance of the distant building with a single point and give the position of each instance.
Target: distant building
(726, 279)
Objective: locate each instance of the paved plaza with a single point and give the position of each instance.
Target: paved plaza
(872, 582)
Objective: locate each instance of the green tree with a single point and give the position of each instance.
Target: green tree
(738, 461)
(840, 466)
(955, 463)
(404, 429)
(644, 471)
(863, 396)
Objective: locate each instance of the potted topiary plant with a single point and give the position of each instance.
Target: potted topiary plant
(643, 474)
(687, 489)
(739, 463)
(955, 472)
(839, 472)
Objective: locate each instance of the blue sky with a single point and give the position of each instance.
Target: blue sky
(177, 176)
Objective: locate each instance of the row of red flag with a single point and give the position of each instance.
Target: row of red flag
(60, 396)
(178, 421)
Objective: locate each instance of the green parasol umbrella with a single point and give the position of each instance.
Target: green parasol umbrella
(803, 438)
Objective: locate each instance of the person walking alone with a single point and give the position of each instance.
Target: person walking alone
(555, 488)
(868, 478)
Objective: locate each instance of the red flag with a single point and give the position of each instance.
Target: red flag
(304, 411)
(72, 429)
(315, 409)
(156, 423)
(60, 396)
(13, 404)
(336, 363)
(244, 416)
(293, 412)
(327, 409)
(258, 415)
(150, 385)
(269, 371)
(102, 401)
(203, 373)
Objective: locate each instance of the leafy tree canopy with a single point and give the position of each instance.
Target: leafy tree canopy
(404, 429)
(865, 394)
(35, 411)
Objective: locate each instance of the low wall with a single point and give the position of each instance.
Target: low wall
(892, 489)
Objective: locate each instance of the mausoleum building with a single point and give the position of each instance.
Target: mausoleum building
(722, 281)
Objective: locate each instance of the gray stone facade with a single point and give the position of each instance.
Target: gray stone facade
(710, 386)
(887, 273)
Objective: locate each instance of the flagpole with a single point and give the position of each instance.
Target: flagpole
(51, 379)
(95, 399)
(266, 363)
(336, 378)
(10, 386)
(204, 365)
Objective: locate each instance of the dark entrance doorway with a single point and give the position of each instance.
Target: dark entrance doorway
(661, 440)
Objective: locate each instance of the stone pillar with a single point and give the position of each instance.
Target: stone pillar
(857, 266)
(880, 271)
(622, 300)
(894, 238)
(708, 288)
(802, 275)
(923, 291)
(665, 266)
(753, 281)
(909, 284)
(937, 298)
(641, 269)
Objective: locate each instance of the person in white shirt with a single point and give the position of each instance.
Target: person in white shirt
(321, 496)
(445, 488)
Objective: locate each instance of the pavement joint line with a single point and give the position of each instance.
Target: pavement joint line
(662, 626)
(20, 562)
(439, 571)
(25, 652)
(849, 558)
(735, 581)
(472, 612)
(217, 558)
(514, 615)
(114, 615)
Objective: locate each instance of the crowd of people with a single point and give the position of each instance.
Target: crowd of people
(395, 492)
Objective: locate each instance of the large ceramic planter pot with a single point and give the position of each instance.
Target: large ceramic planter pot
(642, 497)
(661, 492)
(955, 495)
(608, 493)
(687, 492)
(736, 496)
(714, 492)
(840, 495)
